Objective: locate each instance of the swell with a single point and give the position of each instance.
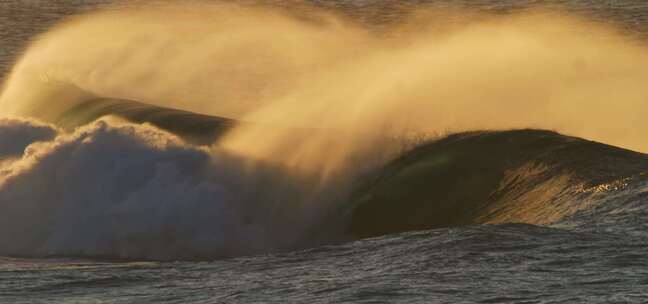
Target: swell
(520, 176)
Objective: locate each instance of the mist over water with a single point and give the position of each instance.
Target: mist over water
(322, 70)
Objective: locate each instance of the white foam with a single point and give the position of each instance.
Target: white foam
(121, 190)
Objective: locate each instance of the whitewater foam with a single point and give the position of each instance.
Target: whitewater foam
(124, 190)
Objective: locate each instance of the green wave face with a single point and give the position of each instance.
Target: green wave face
(529, 176)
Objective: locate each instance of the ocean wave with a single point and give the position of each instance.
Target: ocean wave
(133, 191)
(206, 135)
(521, 176)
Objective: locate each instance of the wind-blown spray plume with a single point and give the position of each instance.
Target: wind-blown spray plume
(263, 64)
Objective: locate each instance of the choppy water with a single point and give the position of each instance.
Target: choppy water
(595, 255)
(489, 264)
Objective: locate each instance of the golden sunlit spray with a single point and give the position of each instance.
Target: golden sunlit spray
(347, 84)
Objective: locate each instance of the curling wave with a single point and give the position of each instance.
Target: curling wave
(523, 176)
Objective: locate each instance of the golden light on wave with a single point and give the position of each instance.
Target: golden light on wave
(351, 82)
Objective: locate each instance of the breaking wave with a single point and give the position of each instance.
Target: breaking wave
(207, 135)
(115, 189)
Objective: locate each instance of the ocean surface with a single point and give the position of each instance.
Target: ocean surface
(516, 216)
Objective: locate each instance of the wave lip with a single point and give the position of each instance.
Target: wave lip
(193, 127)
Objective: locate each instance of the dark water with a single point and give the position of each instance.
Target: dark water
(595, 254)
(487, 264)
